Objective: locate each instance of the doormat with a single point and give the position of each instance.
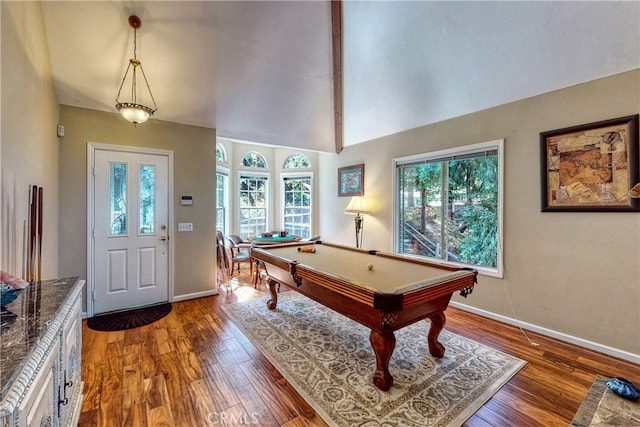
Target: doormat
(128, 319)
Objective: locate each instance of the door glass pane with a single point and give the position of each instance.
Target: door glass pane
(147, 199)
(118, 202)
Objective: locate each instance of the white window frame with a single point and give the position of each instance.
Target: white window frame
(227, 188)
(267, 196)
(225, 158)
(498, 145)
(298, 174)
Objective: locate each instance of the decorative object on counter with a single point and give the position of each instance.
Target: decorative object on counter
(624, 388)
(130, 318)
(13, 281)
(7, 294)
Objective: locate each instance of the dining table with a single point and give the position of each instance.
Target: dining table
(267, 239)
(274, 239)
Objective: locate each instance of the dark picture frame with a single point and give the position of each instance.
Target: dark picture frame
(591, 167)
(351, 181)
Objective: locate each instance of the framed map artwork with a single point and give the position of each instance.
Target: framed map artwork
(351, 181)
(590, 167)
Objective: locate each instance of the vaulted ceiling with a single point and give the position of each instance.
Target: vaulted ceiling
(262, 71)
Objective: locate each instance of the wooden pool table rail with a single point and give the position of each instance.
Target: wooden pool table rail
(382, 313)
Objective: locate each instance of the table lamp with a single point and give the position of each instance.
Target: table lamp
(357, 206)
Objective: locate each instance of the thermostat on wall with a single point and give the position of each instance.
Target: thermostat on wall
(187, 200)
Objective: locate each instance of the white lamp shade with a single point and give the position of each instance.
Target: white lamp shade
(357, 205)
(134, 114)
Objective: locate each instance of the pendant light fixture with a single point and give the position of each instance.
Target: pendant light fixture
(132, 111)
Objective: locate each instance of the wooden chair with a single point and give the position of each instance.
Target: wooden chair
(222, 260)
(238, 256)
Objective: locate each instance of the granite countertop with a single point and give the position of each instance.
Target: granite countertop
(26, 320)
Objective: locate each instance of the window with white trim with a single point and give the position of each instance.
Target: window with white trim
(449, 206)
(253, 193)
(254, 160)
(221, 154)
(222, 200)
(297, 203)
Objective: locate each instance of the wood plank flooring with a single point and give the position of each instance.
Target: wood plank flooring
(195, 368)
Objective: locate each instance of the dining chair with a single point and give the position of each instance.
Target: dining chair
(236, 244)
(222, 262)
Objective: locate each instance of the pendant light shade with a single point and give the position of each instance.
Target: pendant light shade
(132, 111)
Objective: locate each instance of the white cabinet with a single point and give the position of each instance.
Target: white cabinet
(38, 406)
(42, 386)
(70, 383)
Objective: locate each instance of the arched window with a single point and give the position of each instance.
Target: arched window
(254, 160)
(221, 154)
(297, 161)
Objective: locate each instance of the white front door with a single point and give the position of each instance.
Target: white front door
(130, 217)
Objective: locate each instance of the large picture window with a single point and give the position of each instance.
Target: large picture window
(253, 204)
(449, 206)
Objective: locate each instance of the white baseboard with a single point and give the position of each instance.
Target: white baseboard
(621, 354)
(194, 295)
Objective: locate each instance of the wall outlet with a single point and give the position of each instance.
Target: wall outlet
(185, 226)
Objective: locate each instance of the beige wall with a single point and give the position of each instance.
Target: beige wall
(28, 143)
(194, 174)
(573, 273)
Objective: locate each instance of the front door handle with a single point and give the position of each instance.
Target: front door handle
(163, 237)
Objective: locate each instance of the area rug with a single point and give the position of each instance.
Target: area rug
(128, 319)
(328, 359)
(602, 407)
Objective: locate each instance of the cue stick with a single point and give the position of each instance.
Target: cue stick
(32, 234)
(28, 239)
(39, 234)
(24, 249)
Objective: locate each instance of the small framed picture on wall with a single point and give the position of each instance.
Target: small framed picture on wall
(351, 181)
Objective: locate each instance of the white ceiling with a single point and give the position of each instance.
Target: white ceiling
(262, 71)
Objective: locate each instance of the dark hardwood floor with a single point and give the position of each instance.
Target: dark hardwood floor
(195, 368)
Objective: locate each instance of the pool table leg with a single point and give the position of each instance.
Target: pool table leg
(438, 320)
(383, 345)
(271, 304)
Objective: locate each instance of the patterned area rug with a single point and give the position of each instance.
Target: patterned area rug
(602, 407)
(128, 319)
(329, 360)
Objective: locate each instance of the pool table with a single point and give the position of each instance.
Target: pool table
(381, 291)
